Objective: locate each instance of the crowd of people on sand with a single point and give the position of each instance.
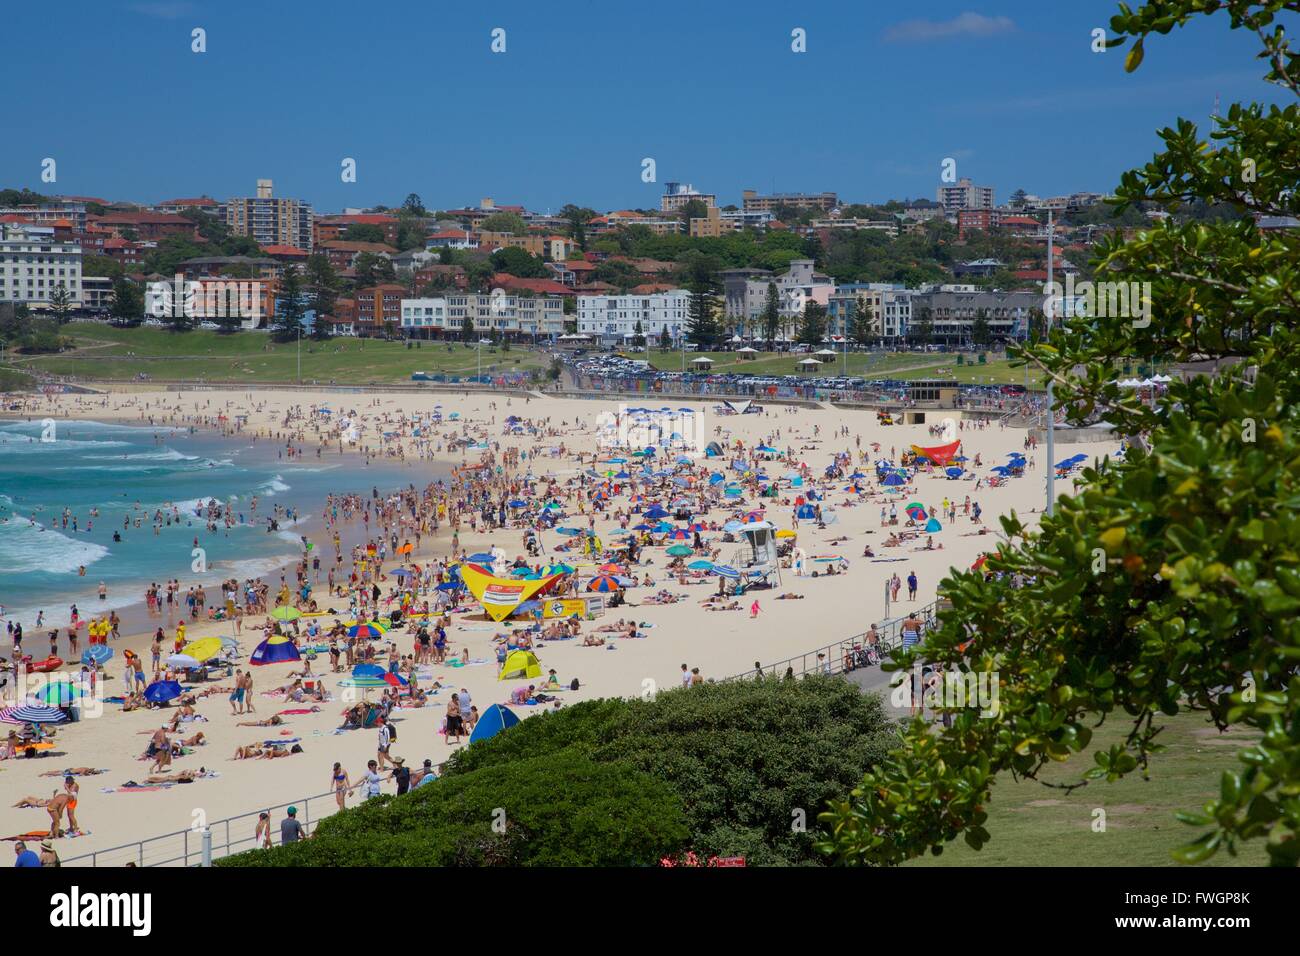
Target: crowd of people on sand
(392, 601)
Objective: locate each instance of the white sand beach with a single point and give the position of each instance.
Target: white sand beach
(720, 643)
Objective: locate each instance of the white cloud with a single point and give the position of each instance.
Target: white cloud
(963, 25)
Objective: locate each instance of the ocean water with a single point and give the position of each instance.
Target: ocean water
(126, 471)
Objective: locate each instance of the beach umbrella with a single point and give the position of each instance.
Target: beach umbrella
(520, 664)
(370, 629)
(395, 680)
(952, 472)
(559, 567)
(368, 670)
(656, 512)
(181, 660)
(57, 694)
(161, 691)
(893, 480)
(603, 583)
(933, 525)
(32, 714)
(725, 571)
(979, 562)
(701, 565)
(403, 573)
(285, 612)
(696, 526)
(274, 650)
(679, 534)
(231, 643)
(203, 649)
(96, 654)
(518, 503)
(369, 681)
(732, 526)
(493, 720)
(482, 557)
(611, 568)
(786, 533)
(680, 551)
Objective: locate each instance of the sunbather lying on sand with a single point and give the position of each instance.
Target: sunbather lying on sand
(273, 721)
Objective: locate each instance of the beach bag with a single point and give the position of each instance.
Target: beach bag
(573, 684)
(392, 732)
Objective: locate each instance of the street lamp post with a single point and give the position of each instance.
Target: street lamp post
(1051, 411)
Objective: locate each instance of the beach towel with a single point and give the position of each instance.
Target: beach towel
(296, 710)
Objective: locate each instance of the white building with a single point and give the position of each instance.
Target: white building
(96, 293)
(33, 265)
(422, 315)
(613, 318)
(510, 315)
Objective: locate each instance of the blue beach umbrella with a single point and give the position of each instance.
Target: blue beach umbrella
(161, 691)
(32, 714)
(96, 654)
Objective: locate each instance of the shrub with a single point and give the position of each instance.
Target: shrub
(562, 809)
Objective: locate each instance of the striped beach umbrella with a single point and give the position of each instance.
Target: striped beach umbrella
(603, 583)
(679, 534)
(363, 682)
(725, 571)
(32, 714)
(370, 629)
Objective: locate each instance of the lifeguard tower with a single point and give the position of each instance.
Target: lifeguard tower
(758, 562)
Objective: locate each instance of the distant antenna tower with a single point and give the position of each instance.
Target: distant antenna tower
(1215, 114)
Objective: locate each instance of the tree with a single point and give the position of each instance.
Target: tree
(60, 304)
(638, 335)
(364, 232)
(980, 333)
(1170, 582)
(771, 316)
(812, 324)
(510, 222)
(922, 327)
(665, 339)
(413, 205)
(373, 269)
(290, 309)
(128, 302)
(1017, 199)
(104, 266)
(692, 209)
(864, 322)
(519, 262)
(577, 218)
(445, 256)
(467, 329)
(322, 292)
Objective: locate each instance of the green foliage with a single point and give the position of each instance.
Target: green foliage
(743, 756)
(128, 302)
(519, 263)
(812, 324)
(364, 232)
(510, 222)
(1172, 581)
(563, 809)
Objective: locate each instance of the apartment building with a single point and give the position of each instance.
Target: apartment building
(327, 228)
(887, 226)
(96, 294)
(677, 195)
(47, 213)
(953, 308)
(342, 254)
(745, 293)
(890, 306)
(501, 312)
(377, 307)
(711, 225)
(33, 264)
(144, 225)
(422, 317)
(753, 202)
(613, 319)
(269, 220)
(964, 194)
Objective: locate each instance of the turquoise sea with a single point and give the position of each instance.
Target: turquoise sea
(63, 500)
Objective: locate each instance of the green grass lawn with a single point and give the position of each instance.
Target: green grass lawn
(118, 354)
(1034, 825)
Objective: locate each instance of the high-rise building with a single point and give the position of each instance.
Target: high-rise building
(964, 194)
(677, 195)
(268, 220)
(753, 202)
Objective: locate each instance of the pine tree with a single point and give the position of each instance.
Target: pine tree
(771, 316)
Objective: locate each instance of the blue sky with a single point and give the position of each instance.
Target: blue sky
(585, 90)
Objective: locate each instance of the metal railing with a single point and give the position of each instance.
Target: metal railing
(831, 658)
(230, 835)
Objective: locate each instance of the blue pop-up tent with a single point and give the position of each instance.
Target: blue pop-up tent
(494, 720)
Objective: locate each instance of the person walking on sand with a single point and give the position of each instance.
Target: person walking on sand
(911, 585)
(237, 695)
(754, 609)
(341, 783)
(385, 741)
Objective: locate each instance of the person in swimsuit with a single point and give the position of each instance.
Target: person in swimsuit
(72, 789)
(455, 721)
(342, 785)
(237, 695)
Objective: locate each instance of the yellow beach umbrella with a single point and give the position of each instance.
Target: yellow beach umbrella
(786, 533)
(203, 649)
